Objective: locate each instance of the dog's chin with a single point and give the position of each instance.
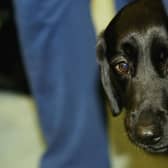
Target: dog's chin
(155, 148)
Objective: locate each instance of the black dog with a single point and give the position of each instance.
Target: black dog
(133, 56)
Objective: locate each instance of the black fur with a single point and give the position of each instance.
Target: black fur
(136, 42)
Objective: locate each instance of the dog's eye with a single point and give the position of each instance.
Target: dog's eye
(122, 68)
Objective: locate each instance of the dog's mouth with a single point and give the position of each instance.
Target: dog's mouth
(161, 149)
(155, 148)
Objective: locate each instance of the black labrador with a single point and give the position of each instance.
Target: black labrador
(133, 56)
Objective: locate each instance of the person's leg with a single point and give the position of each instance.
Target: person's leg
(58, 45)
(165, 3)
(121, 3)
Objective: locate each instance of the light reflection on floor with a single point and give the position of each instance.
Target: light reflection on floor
(21, 144)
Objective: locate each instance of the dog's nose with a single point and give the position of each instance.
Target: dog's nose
(148, 134)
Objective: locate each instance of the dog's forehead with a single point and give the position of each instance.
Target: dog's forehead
(146, 36)
(138, 17)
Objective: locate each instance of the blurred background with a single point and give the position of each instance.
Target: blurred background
(21, 141)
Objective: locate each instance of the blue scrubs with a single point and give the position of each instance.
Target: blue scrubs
(121, 3)
(58, 45)
(165, 2)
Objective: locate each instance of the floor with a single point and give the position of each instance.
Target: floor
(21, 144)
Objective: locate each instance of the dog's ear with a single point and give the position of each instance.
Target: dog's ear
(105, 76)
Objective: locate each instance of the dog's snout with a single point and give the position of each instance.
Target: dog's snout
(148, 127)
(148, 134)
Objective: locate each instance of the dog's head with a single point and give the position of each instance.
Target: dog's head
(133, 56)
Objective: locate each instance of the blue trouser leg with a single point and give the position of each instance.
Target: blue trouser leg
(58, 44)
(121, 3)
(165, 3)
